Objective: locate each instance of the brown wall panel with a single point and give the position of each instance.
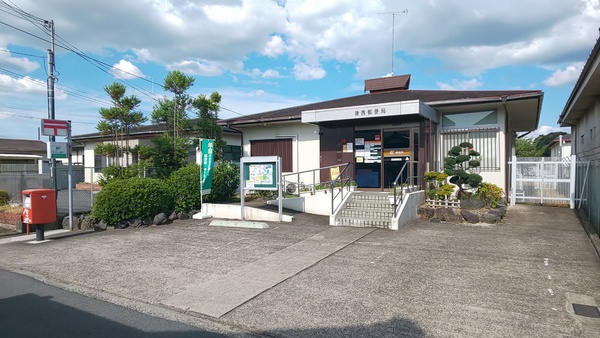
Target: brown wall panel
(276, 147)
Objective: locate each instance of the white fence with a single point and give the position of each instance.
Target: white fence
(543, 180)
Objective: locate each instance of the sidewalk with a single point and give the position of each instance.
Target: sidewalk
(519, 278)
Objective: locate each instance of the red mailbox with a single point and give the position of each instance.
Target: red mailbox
(39, 206)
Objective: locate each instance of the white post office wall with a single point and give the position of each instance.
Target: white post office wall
(305, 143)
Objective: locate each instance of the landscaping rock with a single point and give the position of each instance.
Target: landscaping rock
(183, 215)
(448, 215)
(502, 210)
(76, 222)
(173, 216)
(160, 219)
(135, 223)
(471, 204)
(100, 226)
(193, 212)
(147, 221)
(469, 216)
(491, 216)
(426, 212)
(121, 225)
(87, 223)
(435, 220)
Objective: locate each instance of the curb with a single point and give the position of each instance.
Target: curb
(589, 230)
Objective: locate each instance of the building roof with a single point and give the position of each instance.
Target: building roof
(18, 146)
(137, 132)
(586, 90)
(390, 83)
(433, 98)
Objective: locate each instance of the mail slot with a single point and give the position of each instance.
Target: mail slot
(39, 206)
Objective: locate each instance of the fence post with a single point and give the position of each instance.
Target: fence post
(513, 180)
(572, 181)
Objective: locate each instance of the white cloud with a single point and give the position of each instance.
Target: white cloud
(267, 74)
(11, 87)
(202, 68)
(18, 62)
(303, 71)
(126, 70)
(258, 92)
(275, 47)
(460, 85)
(567, 76)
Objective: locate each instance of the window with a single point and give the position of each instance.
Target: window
(232, 153)
(473, 119)
(277, 147)
(100, 162)
(485, 141)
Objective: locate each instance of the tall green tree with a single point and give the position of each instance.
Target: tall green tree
(118, 120)
(174, 111)
(207, 113)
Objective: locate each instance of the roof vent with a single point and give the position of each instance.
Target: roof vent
(387, 84)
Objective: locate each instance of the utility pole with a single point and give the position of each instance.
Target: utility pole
(51, 113)
(393, 31)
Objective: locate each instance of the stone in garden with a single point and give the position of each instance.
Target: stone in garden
(87, 223)
(100, 226)
(160, 219)
(173, 216)
(491, 216)
(471, 204)
(425, 211)
(76, 222)
(469, 216)
(135, 223)
(448, 215)
(435, 220)
(183, 215)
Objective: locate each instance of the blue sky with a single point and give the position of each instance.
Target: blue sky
(264, 54)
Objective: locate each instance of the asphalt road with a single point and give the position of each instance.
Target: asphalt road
(29, 308)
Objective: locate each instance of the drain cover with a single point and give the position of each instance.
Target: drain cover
(586, 310)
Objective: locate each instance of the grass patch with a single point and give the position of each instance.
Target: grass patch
(16, 209)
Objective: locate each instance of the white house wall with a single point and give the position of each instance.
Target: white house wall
(305, 144)
(496, 177)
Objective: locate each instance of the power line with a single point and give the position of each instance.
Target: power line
(19, 53)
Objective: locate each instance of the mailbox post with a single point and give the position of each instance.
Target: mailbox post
(39, 207)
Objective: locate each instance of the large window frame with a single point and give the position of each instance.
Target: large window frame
(481, 129)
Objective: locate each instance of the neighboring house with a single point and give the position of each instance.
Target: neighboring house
(28, 155)
(85, 145)
(379, 130)
(582, 114)
(560, 146)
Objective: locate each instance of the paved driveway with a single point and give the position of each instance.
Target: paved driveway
(518, 278)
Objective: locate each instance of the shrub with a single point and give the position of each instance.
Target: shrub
(4, 197)
(461, 159)
(490, 194)
(185, 183)
(226, 180)
(435, 187)
(125, 199)
(113, 172)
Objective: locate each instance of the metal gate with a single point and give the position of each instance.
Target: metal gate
(543, 180)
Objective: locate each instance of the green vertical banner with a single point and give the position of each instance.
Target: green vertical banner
(207, 166)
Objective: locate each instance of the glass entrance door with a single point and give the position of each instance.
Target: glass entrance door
(367, 154)
(396, 151)
(381, 154)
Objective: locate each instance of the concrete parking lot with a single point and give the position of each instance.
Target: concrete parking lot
(305, 278)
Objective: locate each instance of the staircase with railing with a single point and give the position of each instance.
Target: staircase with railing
(377, 209)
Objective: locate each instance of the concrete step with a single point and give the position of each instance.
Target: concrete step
(364, 222)
(366, 213)
(369, 205)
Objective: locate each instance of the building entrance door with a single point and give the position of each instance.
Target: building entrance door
(380, 154)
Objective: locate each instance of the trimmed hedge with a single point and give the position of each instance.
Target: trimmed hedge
(185, 183)
(125, 199)
(4, 197)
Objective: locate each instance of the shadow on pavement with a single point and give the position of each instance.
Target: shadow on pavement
(30, 315)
